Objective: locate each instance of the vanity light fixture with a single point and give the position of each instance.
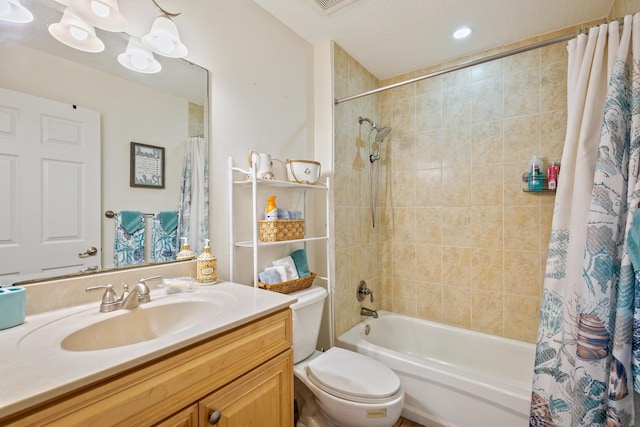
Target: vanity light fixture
(138, 58)
(76, 33)
(103, 14)
(163, 38)
(14, 11)
(462, 32)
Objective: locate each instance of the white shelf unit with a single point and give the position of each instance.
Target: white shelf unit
(256, 244)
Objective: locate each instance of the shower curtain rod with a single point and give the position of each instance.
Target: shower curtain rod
(460, 67)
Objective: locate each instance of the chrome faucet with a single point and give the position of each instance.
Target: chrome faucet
(364, 311)
(111, 302)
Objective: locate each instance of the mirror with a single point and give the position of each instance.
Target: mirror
(162, 109)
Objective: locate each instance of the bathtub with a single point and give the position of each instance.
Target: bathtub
(451, 376)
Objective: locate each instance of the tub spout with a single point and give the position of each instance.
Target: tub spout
(364, 311)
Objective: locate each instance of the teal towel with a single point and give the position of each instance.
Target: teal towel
(169, 221)
(131, 221)
(633, 241)
(300, 260)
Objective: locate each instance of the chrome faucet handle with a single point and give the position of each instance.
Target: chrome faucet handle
(110, 301)
(144, 293)
(363, 291)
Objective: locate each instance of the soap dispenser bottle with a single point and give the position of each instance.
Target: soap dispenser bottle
(186, 252)
(206, 265)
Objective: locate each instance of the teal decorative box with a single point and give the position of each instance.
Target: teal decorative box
(13, 306)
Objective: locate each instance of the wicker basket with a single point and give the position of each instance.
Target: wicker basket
(277, 230)
(291, 285)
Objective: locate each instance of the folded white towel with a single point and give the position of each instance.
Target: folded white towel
(273, 275)
(290, 267)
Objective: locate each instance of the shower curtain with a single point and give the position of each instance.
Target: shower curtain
(584, 374)
(193, 215)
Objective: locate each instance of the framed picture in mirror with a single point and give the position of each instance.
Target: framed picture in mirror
(147, 166)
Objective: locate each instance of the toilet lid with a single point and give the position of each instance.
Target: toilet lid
(352, 376)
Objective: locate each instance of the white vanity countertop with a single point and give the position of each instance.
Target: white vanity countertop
(35, 368)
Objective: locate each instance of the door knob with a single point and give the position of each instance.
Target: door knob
(214, 417)
(90, 252)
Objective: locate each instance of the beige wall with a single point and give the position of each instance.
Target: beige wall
(621, 8)
(459, 241)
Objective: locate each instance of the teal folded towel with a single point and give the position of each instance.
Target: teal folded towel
(300, 260)
(131, 221)
(169, 221)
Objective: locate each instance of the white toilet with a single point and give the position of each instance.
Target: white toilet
(338, 387)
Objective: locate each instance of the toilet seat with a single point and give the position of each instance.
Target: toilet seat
(352, 376)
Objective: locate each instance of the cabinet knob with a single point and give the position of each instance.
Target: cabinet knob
(214, 417)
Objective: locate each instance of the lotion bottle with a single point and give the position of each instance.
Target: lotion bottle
(206, 265)
(186, 252)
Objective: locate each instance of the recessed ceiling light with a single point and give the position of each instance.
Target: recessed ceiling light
(461, 33)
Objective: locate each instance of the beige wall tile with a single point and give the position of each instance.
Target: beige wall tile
(487, 314)
(521, 316)
(553, 87)
(456, 226)
(429, 264)
(456, 106)
(456, 263)
(456, 306)
(521, 138)
(487, 143)
(522, 228)
(487, 269)
(487, 99)
(405, 296)
(428, 188)
(522, 93)
(487, 230)
(404, 225)
(429, 226)
(430, 305)
(404, 260)
(487, 184)
(428, 149)
(522, 273)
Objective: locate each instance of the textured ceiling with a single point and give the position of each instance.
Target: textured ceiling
(392, 37)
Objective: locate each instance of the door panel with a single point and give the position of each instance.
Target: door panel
(50, 190)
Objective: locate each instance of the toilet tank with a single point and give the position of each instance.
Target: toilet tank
(307, 315)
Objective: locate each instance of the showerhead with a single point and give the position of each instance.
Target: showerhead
(382, 133)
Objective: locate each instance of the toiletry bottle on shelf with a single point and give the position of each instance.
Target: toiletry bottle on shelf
(186, 252)
(206, 265)
(535, 174)
(271, 212)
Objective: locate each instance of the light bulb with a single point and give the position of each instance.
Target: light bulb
(165, 43)
(78, 33)
(139, 60)
(100, 9)
(5, 7)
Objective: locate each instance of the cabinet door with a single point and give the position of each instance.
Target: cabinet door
(262, 397)
(188, 417)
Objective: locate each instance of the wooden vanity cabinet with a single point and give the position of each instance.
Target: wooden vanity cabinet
(246, 374)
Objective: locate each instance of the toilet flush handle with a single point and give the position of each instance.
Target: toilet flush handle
(363, 291)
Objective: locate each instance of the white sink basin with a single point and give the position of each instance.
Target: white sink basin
(138, 325)
(170, 315)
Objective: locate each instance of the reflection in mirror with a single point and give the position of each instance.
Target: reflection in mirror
(162, 110)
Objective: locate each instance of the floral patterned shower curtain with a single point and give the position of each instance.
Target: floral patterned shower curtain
(583, 373)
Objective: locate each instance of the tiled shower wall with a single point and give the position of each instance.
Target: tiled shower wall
(457, 241)
(357, 254)
(462, 243)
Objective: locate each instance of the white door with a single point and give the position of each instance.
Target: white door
(49, 187)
